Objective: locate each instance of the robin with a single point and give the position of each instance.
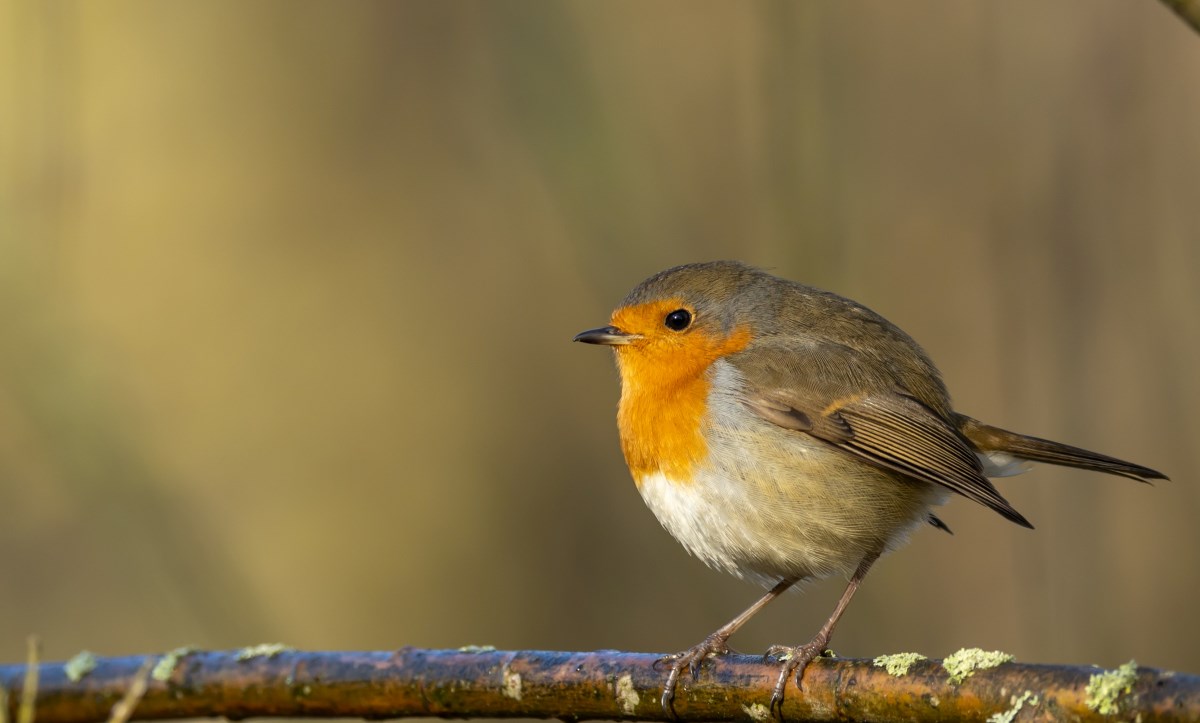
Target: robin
(782, 433)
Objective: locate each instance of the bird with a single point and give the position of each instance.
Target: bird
(782, 433)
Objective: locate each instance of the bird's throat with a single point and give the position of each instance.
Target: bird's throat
(664, 403)
(661, 428)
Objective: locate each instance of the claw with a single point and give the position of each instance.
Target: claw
(668, 697)
(777, 694)
(790, 663)
(712, 645)
(794, 660)
(691, 660)
(662, 660)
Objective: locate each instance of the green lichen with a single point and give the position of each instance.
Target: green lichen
(898, 663)
(166, 665)
(512, 684)
(1104, 690)
(627, 695)
(1017, 702)
(265, 650)
(80, 665)
(757, 712)
(963, 664)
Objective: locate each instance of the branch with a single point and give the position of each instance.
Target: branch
(1188, 10)
(484, 683)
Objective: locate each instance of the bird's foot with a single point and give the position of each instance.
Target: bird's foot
(794, 660)
(689, 660)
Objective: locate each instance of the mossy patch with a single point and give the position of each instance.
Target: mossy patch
(80, 665)
(512, 684)
(166, 665)
(627, 695)
(1104, 690)
(897, 664)
(1017, 703)
(963, 664)
(265, 650)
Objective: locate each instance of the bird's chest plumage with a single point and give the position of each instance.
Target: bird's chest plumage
(754, 499)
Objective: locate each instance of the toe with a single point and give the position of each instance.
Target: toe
(780, 687)
(668, 705)
(668, 694)
(777, 707)
(780, 652)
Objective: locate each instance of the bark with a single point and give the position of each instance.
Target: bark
(484, 683)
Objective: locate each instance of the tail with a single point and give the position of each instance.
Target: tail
(987, 439)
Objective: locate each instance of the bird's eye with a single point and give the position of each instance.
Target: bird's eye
(678, 320)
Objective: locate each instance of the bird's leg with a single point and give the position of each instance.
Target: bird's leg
(714, 644)
(797, 658)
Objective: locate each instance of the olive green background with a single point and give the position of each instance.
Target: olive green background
(287, 291)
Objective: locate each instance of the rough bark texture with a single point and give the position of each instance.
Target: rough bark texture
(605, 684)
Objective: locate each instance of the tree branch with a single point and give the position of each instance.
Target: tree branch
(1188, 10)
(485, 683)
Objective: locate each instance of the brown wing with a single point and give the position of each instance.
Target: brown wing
(832, 394)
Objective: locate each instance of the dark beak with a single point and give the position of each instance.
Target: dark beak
(607, 335)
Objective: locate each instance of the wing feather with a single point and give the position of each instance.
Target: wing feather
(825, 391)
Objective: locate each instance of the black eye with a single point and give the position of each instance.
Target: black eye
(678, 320)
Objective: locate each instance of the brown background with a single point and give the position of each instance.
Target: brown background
(287, 290)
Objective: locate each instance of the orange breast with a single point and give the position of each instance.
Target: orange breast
(664, 399)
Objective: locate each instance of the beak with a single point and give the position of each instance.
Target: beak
(606, 335)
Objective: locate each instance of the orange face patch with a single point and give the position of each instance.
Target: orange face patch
(664, 391)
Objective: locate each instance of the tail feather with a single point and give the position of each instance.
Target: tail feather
(987, 438)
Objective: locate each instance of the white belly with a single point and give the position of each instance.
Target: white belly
(770, 503)
(766, 537)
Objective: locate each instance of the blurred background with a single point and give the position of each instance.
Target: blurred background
(287, 291)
